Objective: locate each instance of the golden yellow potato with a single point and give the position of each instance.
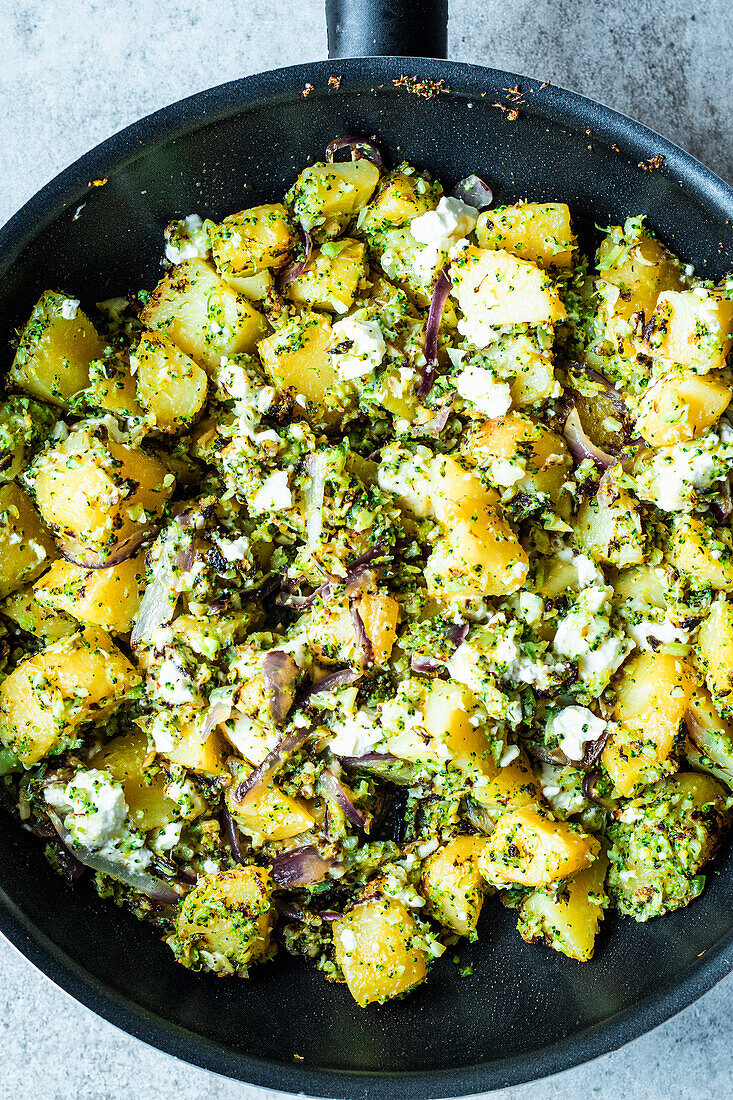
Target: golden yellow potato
(169, 384)
(226, 921)
(129, 761)
(373, 944)
(496, 288)
(611, 531)
(652, 694)
(693, 328)
(703, 552)
(205, 755)
(251, 241)
(681, 407)
(55, 350)
(490, 445)
(513, 786)
(296, 358)
(715, 653)
(330, 629)
(96, 494)
(203, 315)
(444, 731)
(23, 609)
(268, 813)
(331, 279)
(529, 847)
(112, 387)
(396, 203)
(567, 919)
(26, 546)
(47, 697)
(107, 598)
(536, 231)
(453, 885)
(324, 191)
(639, 273)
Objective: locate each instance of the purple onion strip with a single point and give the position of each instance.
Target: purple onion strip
(363, 641)
(301, 867)
(232, 835)
(333, 789)
(441, 290)
(340, 678)
(474, 192)
(580, 445)
(360, 148)
(279, 672)
(285, 746)
(296, 268)
(123, 552)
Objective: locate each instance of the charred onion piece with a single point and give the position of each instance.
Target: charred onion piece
(279, 672)
(363, 641)
(361, 148)
(295, 268)
(301, 866)
(474, 192)
(232, 835)
(91, 561)
(593, 749)
(336, 679)
(581, 446)
(546, 755)
(285, 747)
(333, 790)
(441, 290)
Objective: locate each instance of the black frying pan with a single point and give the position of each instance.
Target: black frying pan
(526, 1011)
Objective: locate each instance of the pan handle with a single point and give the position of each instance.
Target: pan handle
(387, 28)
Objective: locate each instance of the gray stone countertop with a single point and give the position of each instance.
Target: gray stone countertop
(75, 72)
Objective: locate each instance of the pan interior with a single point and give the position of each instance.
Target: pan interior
(215, 154)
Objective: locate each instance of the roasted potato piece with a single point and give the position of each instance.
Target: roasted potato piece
(710, 737)
(23, 609)
(453, 885)
(296, 358)
(170, 386)
(373, 944)
(225, 923)
(96, 494)
(331, 634)
(125, 758)
(107, 598)
(331, 279)
(325, 191)
(567, 917)
(111, 388)
(693, 328)
(496, 288)
(26, 546)
(513, 786)
(529, 847)
(203, 315)
(398, 200)
(254, 240)
(55, 350)
(715, 654)
(639, 267)
(651, 699)
(535, 231)
(514, 444)
(266, 813)
(681, 407)
(703, 552)
(48, 697)
(611, 531)
(204, 754)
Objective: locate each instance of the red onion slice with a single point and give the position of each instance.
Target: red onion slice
(279, 672)
(613, 395)
(435, 426)
(232, 834)
(295, 268)
(425, 665)
(86, 559)
(593, 749)
(333, 790)
(361, 148)
(479, 816)
(474, 192)
(354, 571)
(363, 642)
(300, 603)
(723, 505)
(382, 765)
(581, 447)
(340, 678)
(275, 757)
(441, 290)
(546, 755)
(301, 867)
(217, 712)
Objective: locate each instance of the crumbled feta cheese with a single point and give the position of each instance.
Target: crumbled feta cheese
(477, 386)
(173, 683)
(234, 549)
(357, 348)
(664, 633)
(355, 735)
(673, 477)
(188, 240)
(509, 754)
(168, 837)
(574, 727)
(250, 737)
(406, 474)
(70, 308)
(94, 805)
(439, 230)
(274, 494)
(506, 473)
(531, 607)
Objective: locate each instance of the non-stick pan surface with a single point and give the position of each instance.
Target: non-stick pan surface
(526, 1011)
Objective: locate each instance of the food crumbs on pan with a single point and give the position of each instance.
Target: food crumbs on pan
(426, 89)
(307, 91)
(615, 148)
(516, 100)
(78, 212)
(652, 163)
(334, 82)
(98, 183)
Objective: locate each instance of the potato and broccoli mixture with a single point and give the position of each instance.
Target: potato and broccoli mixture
(375, 563)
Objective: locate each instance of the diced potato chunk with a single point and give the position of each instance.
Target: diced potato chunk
(536, 231)
(640, 268)
(703, 552)
(442, 730)
(143, 781)
(332, 277)
(26, 547)
(479, 554)
(23, 609)
(267, 813)
(225, 923)
(453, 885)
(651, 699)
(503, 448)
(251, 241)
(112, 387)
(396, 203)
(47, 697)
(374, 947)
(296, 358)
(199, 754)
(324, 191)
(203, 315)
(715, 653)
(97, 494)
(681, 407)
(693, 328)
(107, 598)
(169, 384)
(611, 532)
(529, 847)
(514, 785)
(56, 347)
(496, 288)
(710, 737)
(568, 917)
(331, 634)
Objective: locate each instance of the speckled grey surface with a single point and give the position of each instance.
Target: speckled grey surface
(73, 72)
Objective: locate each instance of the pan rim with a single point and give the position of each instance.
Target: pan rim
(193, 112)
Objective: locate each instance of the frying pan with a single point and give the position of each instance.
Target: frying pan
(525, 1011)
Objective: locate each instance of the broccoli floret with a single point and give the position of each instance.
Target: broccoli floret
(662, 841)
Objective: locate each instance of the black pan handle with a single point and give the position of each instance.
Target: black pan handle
(387, 28)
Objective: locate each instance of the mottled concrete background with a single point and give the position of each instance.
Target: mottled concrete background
(73, 72)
